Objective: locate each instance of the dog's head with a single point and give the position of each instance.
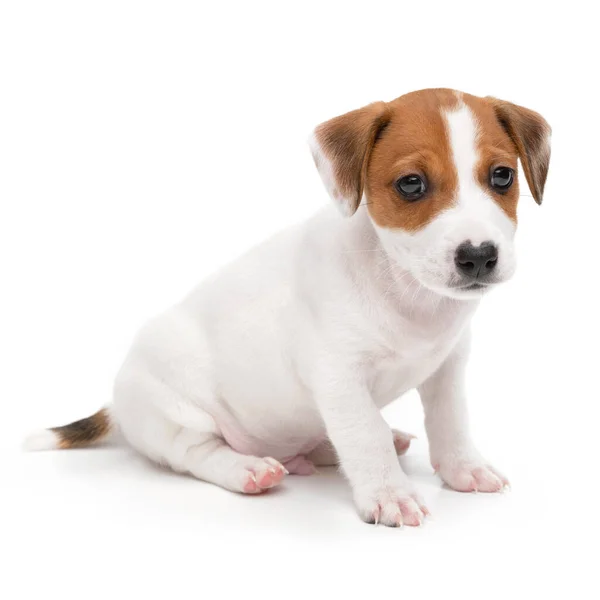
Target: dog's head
(437, 172)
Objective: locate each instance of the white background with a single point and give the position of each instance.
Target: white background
(143, 145)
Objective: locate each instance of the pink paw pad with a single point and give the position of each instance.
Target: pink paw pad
(251, 487)
(487, 481)
(475, 479)
(400, 512)
(402, 441)
(263, 477)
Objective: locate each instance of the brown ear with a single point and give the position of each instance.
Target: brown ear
(531, 135)
(341, 148)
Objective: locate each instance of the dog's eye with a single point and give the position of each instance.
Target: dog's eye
(501, 178)
(412, 187)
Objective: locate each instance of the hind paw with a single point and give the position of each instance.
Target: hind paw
(299, 465)
(265, 474)
(402, 441)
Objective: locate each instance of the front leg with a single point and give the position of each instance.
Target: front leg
(364, 444)
(452, 452)
(324, 454)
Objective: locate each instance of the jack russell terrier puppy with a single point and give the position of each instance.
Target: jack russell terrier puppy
(282, 360)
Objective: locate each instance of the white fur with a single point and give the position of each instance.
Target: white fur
(296, 346)
(45, 439)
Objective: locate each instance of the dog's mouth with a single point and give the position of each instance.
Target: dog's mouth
(461, 290)
(472, 287)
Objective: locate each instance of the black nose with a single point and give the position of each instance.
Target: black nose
(476, 261)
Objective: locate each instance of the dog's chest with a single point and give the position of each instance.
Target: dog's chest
(407, 361)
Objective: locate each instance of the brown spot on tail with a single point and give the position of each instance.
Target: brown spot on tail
(84, 432)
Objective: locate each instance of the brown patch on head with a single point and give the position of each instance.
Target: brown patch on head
(345, 143)
(415, 141)
(366, 151)
(84, 432)
(530, 133)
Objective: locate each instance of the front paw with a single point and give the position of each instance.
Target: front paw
(471, 475)
(393, 506)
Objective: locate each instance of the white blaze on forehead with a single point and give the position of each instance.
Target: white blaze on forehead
(462, 132)
(474, 206)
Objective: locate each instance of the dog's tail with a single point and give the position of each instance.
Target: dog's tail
(78, 434)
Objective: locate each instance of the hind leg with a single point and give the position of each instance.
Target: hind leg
(209, 458)
(193, 447)
(324, 455)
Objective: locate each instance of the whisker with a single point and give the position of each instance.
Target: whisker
(437, 305)
(395, 282)
(412, 302)
(406, 290)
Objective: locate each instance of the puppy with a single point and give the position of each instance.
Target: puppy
(283, 359)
